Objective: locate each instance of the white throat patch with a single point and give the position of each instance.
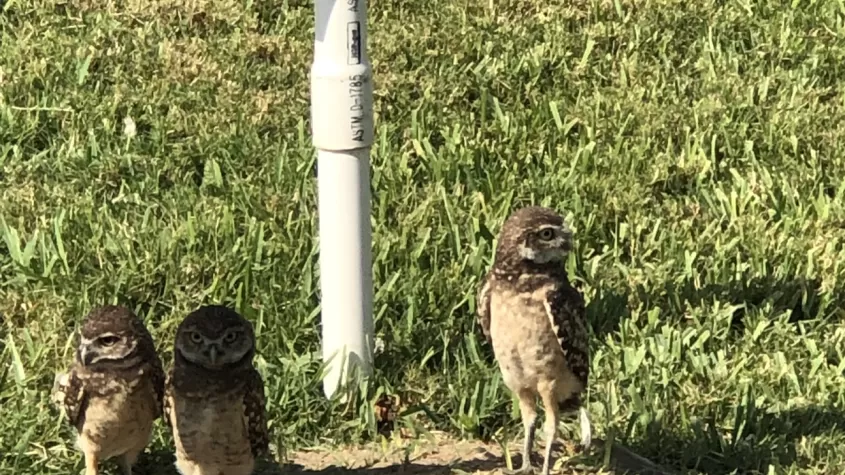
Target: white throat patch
(540, 257)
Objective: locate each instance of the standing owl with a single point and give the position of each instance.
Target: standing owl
(113, 392)
(536, 323)
(214, 400)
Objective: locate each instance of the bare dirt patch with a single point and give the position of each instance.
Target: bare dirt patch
(440, 454)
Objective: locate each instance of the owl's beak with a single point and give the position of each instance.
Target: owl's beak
(86, 356)
(212, 354)
(566, 239)
(567, 243)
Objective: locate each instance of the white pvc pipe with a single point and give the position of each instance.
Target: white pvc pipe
(342, 128)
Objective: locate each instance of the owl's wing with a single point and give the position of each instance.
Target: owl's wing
(167, 399)
(482, 305)
(567, 314)
(255, 418)
(158, 380)
(69, 395)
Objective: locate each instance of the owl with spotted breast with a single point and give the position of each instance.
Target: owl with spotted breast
(112, 394)
(535, 320)
(214, 397)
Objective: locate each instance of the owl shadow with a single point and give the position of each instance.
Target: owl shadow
(766, 439)
(606, 310)
(155, 462)
(799, 297)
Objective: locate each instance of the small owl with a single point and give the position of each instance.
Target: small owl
(536, 323)
(214, 400)
(113, 392)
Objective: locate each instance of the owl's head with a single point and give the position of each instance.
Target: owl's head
(536, 235)
(215, 337)
(112, 336)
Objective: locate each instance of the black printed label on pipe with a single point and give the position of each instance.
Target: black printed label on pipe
(357, 83)
(353, 42)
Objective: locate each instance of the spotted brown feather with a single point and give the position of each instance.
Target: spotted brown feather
(255, 418)
(482, 303)
(565, 307)
(526, 295)
(158, 379)
(166, 403)
(69, 394)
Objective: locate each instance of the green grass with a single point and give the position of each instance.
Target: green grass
(695, 148)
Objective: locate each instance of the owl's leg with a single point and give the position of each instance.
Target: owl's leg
(91, 460)
(529, 422)
(550, 426)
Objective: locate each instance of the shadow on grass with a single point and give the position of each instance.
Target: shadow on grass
(765, 439)
(606, 311)
(800, 297)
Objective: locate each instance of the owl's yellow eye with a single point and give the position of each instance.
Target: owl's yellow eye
(230, 337)
(196, 337)
(547, 234)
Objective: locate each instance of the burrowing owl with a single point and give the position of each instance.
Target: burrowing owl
(214, 399)
(113, 392)
(535, 321)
